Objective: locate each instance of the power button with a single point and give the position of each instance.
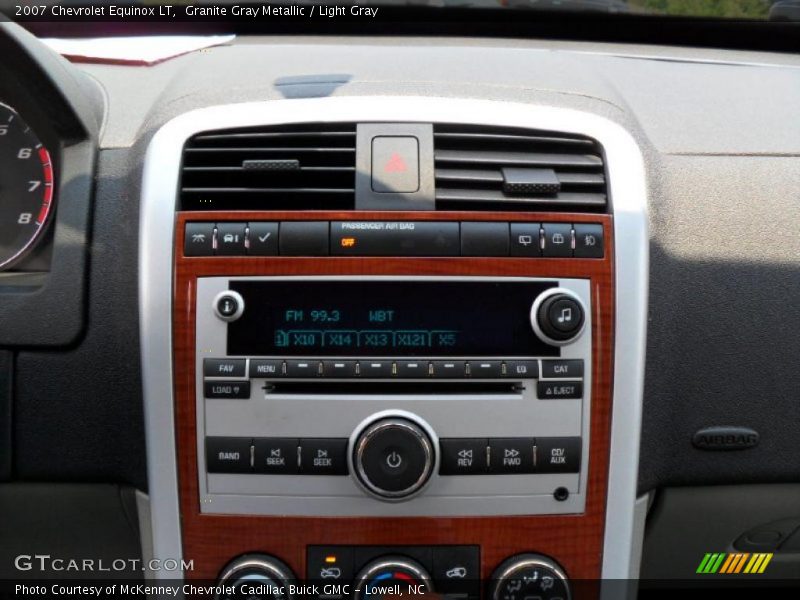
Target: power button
(393, 458)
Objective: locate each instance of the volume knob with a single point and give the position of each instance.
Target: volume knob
(558, 317)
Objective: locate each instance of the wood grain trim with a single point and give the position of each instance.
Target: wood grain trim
(575, 541)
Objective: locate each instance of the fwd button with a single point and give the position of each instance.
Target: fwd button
(511, 455)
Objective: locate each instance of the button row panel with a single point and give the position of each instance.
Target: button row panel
(394, 238)
(510, 456)
(380, 368)
(277, 456)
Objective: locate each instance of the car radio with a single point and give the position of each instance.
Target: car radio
(336, 395)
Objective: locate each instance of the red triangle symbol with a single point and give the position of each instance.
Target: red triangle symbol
(395, 164)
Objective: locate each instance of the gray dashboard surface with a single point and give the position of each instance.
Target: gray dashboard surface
(722, 144)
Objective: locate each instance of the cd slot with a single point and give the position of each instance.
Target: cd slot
(394, 387)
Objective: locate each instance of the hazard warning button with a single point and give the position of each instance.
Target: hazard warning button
(395, 164)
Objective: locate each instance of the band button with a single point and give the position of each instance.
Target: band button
(228, 455)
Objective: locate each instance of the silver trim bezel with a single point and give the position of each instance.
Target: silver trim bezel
(628, 195)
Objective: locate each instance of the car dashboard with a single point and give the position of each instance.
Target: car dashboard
(468, 314)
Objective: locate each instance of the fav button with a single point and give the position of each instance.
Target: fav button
(223, 367)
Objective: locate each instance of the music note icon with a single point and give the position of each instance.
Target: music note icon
(566, 315)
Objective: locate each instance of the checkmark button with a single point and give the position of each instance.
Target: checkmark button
(263, 239)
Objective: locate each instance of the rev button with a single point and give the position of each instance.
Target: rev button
(463, 456)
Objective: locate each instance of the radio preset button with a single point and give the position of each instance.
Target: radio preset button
(412, 369)
(228, 454)
(523, 369)
(266, 368)
(485, 369)
(224, 367)
(234, 390)
(449, 369)
(511, 455)
(375, 369)
(561, 369)
(339, 368)
(558, 455)
(556, 390)
(302, 368)
(463, 456)
(275, 455)
(323, 456)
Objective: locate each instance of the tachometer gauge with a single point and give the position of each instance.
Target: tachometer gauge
(26, 187)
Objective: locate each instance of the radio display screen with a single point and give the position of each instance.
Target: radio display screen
(386, 318)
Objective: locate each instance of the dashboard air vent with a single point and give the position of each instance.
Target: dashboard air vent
(491, 168)
(309, 166)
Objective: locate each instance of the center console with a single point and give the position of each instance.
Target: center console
(436, 387)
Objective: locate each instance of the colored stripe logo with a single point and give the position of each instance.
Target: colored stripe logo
(734, 563)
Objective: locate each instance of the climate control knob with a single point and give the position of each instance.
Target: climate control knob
(393, 458)
(558, 317)
(529, 576)
(257, 576)
(392, 575)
